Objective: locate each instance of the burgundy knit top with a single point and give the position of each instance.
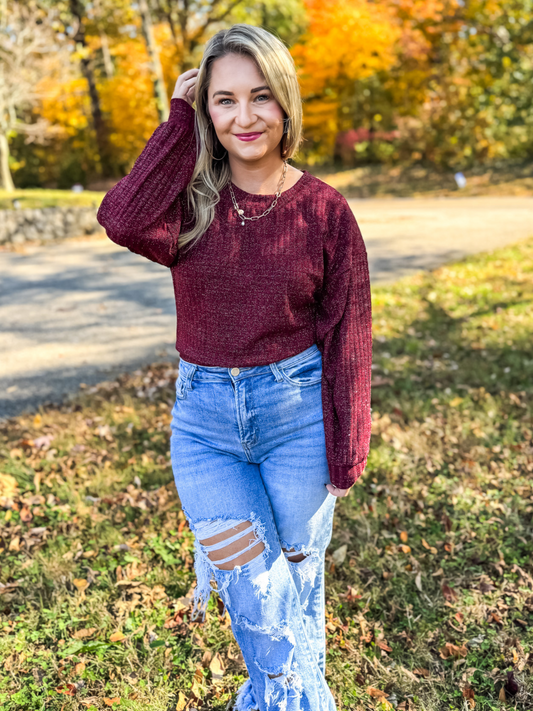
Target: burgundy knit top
(255, 294)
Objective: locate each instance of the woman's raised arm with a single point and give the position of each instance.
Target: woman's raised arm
(145, 210)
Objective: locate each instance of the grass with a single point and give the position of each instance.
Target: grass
(506, 178)
(429, 583)
(40, 197)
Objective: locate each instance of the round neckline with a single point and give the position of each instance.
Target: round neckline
(256, 197)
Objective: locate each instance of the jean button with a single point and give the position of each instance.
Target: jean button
(235, 371)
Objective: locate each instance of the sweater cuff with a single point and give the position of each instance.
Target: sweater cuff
(180, 110)
(344, 476)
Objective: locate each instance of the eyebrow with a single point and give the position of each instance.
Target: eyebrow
(252, 91)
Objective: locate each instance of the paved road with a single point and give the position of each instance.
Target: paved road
(85, 310)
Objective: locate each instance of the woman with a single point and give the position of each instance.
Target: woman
(272, 415)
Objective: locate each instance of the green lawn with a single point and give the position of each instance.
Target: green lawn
(429, 586)
(507, 178)
(39, 197)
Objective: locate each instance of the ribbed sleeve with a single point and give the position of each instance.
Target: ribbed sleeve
(145, 210)
(344, 337)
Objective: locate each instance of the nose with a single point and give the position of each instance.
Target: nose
(246, 116)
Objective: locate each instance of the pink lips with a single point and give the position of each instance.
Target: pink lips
(247, 136)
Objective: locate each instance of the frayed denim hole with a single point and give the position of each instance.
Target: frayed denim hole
(208, 570)
(280, 689)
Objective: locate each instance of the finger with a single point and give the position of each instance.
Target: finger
(189, 73)
(189, 82)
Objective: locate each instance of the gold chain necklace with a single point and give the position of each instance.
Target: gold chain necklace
(240, 212)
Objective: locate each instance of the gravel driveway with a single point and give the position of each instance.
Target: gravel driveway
(85, 310)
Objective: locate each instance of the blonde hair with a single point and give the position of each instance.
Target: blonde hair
(212, 171)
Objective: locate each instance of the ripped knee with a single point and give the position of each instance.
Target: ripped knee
(293, 556)
(234, 546)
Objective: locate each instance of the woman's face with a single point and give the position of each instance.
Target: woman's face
(247, 118)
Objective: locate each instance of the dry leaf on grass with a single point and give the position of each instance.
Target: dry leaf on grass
(81, 634)
(80, 584)
(339, 555)
(452, 650)
(376, 693)
(117, 637)
(216, 667)
(449, 593)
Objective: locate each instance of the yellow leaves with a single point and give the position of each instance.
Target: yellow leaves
(456, 401)
(344, 42)
(8, 487)
(117, 637)
(404, 536)
(431, 549)
(80, 584)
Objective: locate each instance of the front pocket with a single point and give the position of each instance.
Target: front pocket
(307, 372)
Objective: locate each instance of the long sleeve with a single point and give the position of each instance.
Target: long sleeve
(344, 337)
(145, 210)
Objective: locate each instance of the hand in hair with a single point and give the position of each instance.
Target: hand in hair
(185, 86)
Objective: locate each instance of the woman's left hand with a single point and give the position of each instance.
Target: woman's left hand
(336, 491)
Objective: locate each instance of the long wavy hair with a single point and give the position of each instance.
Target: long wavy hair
(212, 171)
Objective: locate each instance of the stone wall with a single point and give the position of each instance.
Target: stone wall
(46, 224)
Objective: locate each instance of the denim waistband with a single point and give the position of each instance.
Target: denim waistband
(207, 372)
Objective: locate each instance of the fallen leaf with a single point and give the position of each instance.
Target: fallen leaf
(14, 544)
(403, 536)
(182, 702)
(79, 668)
(418, 580)
(339, 555)
(468, 693)
(110, 702)
(502, 696)
(421, 672)
(25, 514)
(67, 689)
(81, 634)
(384, 646)
(216, 667)
(452, 650)
(511, 685)
(81, 584)
(449, 593)
(459, 616)
(404, 549)
(117, 637)
(376, 693)
(496, 618)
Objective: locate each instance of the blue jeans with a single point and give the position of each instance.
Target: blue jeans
(249, 460)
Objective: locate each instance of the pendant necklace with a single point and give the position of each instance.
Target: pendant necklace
(240, 212)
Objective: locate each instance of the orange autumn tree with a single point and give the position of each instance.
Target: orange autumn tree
(344, 42)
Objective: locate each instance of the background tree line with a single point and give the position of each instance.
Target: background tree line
(445, 82)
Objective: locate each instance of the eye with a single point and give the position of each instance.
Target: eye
(223, 100)
(263, 96)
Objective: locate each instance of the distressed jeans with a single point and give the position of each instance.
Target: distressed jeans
(249, 460)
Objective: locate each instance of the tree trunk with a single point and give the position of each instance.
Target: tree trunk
(6, 181)
(99, 123)
(108, 61)
(159, 81)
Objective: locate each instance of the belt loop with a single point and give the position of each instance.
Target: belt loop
(275, 370)
(190, 375)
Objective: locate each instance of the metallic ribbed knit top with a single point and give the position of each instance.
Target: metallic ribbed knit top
(255, 294)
